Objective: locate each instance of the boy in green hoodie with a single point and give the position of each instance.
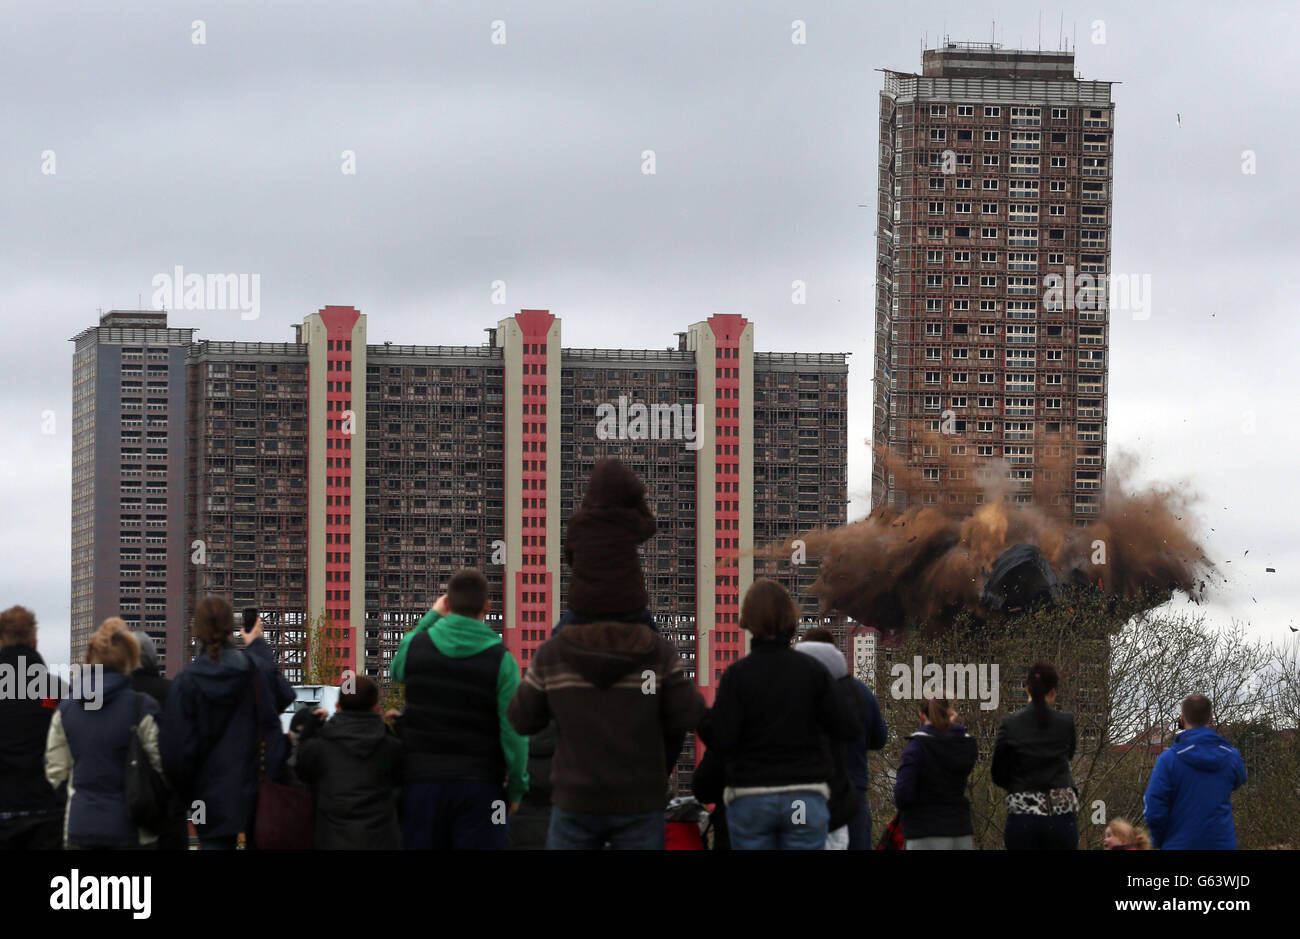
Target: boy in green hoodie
(465, 767)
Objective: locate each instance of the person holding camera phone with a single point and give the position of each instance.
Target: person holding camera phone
(212, 725)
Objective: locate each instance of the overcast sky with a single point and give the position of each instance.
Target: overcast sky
(522, 162)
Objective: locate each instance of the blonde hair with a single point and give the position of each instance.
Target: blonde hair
(113, 647)
(1122, 829)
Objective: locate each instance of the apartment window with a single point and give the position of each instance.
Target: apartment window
(965, 110)
(962, 208)
(936, 182)
(938, 135)
(936, 208)
(988, 233)
(1056, 185)
(992, 136)
(965, 134)
(992, 111)
(1059, 162)
(991, 159)
(938, 110)
(961, 257)
(965, 183)
(1056, 210)
(990, 185)
(1060, 114)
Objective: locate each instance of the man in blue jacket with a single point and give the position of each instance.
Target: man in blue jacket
(1189, 799)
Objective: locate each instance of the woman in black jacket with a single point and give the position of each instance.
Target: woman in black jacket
(930, 789)
(218, 709)
(1031, 760)
(769, 723)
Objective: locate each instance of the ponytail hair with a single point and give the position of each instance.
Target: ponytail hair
(936, 711)
(214, 622)
(1042, 681)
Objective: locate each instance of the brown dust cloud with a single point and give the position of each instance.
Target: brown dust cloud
(924, 564)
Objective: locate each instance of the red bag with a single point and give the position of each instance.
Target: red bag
(892, 839)
(282, 820)
(683, 836)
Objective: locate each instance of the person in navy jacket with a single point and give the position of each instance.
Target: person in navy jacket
(1189, 798)
(212, 721)
(87, 745)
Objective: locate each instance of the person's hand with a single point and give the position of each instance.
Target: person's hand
(322, 714)
(442, 607)
(253, 634)
(391, 716)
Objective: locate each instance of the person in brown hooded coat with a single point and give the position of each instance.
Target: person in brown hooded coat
(601, 547)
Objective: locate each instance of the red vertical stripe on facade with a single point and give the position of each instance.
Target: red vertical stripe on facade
(339, 322)
(533, 585)
(725, 642)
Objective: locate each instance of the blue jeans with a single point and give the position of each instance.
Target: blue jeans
(782, 821)
(860, 826)
(578, 831)
(1041, 833)
(454, 815)
(570, 618)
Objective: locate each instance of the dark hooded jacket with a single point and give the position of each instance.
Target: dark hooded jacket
(602, 541)
(930, 788)
(24, 726)
(353, 765)
(210, 732)
(615, 690)
(1188, 802)
(148, 678)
